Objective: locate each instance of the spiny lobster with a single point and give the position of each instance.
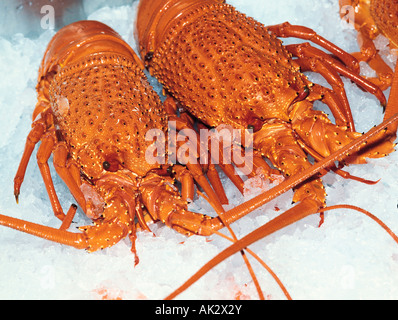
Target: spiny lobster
(372, 18)
(227, 68)
(104, 183)
(94, 109)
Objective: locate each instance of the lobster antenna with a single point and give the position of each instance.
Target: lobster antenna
(253, 254)
(262, 262)
(234, 239)
(367, 213)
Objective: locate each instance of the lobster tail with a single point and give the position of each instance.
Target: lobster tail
(79, 40)
(155, 15)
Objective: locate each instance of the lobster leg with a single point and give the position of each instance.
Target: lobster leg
(392, 105)
(370, 54)
(60, 155)
(225, 166)
(43, 154)
(230, 172)
(330, 98)
(332, 137)
(258, 164)
(286, 30)
(305, 50)
(186, 180)
(43, 103)
(132, 204)
(197, 173)
(165, 204)
(261, 167)
(211, 171)
(359, 15)
(34, 136)
(343, 115)
(341, 110)
(276, 140)
(215, 191)
(68, 218)
(216, 183)
(250, 167)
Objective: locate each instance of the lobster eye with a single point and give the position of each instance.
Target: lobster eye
(111, 164)
(148, 57)
(106, 165)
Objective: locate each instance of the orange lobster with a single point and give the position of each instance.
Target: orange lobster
(226, 68)
(109, 178)
(372, 18)
(94, 109)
